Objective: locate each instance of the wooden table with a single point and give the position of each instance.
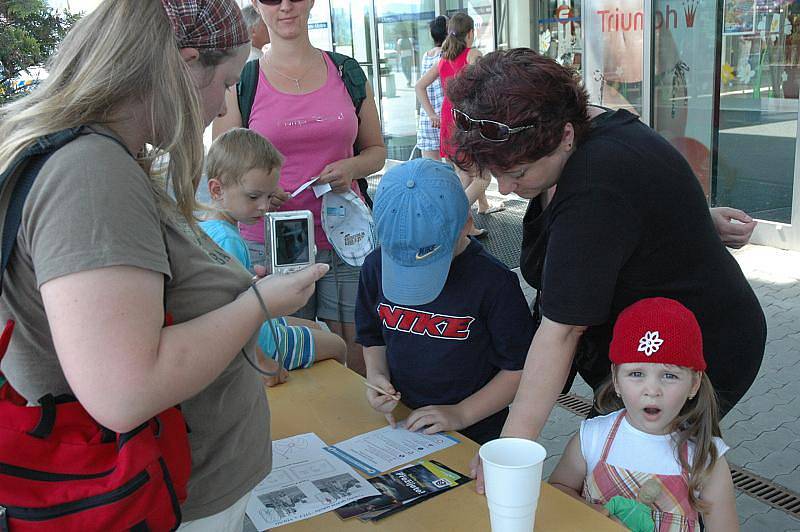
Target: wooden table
(329, 400)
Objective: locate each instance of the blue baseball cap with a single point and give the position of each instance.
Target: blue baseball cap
(420, 209)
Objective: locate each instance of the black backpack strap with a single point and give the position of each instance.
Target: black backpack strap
(353, 77)
(355, 81)
(246, 90)
(29, 162)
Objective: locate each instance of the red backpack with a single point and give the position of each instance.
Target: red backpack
(61, 470)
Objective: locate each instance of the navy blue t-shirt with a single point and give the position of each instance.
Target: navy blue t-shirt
(443, 352)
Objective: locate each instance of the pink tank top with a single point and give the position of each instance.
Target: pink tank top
(311, 131)
(447, 69)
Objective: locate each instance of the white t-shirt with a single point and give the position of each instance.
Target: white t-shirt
(633, 449)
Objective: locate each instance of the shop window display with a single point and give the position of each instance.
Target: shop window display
(560, 33)
(759, 74)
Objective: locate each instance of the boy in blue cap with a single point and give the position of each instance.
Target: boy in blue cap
(444, 325)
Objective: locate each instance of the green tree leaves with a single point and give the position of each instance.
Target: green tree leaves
(30, 32)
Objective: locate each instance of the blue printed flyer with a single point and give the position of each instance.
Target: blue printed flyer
(384, 449)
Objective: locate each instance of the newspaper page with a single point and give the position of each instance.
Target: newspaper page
(305, 481)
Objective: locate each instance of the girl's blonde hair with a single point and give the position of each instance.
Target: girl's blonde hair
(698, 422)
(458, 27)
(123, 52)
(236, 152)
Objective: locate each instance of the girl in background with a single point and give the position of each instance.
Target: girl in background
(427, 134)
(457, 53)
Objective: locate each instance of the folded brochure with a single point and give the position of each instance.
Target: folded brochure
(403, 488)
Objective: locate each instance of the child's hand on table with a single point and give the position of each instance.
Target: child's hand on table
(271, 366)
(436, 418)
(383, 403)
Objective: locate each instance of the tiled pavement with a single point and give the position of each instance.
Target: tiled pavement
(763, 429)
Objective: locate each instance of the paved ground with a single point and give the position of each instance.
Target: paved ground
(763, 429)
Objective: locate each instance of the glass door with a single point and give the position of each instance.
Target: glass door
(319, 25)
(683, 76)
(403, 35)
(614, 52)
(725, 93)
(502, 25)
(758, 111)
(352, 33)
(482, 12)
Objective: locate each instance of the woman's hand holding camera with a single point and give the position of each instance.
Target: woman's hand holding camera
(284, 294)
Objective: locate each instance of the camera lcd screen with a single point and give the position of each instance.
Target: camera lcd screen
(291, 242)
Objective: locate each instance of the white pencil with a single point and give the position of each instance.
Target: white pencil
(394, 396)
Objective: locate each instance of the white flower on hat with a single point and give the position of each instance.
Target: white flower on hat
(650, 343)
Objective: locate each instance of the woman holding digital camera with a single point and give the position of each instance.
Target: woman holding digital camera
(104, 253)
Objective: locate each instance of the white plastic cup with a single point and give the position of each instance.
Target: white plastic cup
(512, 474)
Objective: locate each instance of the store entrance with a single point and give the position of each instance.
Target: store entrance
(720, 81)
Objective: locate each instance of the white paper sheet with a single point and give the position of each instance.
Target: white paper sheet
(384, 449)
(304, 186)
(305, 481)
(321, 190)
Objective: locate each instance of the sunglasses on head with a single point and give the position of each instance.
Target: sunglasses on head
(489, 129)
(275, 2)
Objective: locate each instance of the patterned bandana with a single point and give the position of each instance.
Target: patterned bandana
(206, 24)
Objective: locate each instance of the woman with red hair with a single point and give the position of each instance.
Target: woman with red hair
(616, 215)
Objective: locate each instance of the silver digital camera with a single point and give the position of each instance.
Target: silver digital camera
(289, 241)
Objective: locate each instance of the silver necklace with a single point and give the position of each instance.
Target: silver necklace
(290, 78)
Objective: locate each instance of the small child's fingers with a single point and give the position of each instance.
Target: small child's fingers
(474, 464)
(385, 400)
(479, 484)
(374, 400)
(385, 385)
(602, 509)
(434, 428)
(389, 407)
(416, 423)
(383, 403)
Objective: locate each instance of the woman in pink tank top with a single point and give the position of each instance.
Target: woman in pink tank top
(302, 106)
(457, 52)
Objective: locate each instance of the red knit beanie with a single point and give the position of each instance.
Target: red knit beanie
(657, 331)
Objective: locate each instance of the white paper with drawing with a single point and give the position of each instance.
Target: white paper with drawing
(305, 481)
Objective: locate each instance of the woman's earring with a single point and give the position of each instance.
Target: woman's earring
(618, 394)
(691, 397)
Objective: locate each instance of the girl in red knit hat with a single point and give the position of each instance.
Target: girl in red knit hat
(660, 426)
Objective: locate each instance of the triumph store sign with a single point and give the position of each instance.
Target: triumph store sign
(620, 19)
